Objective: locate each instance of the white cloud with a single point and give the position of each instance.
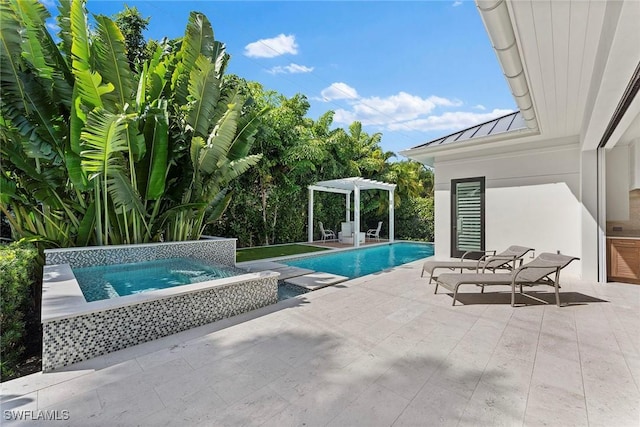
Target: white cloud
(406, 112)
(457, 3)
(290, 69)
(338, 90)
(449, 121)
(393, 109)
(270, 48)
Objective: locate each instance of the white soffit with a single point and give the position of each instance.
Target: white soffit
(558, 42)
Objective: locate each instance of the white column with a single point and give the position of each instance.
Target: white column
(356, 216)
(391, 216)
(348, 213)
(310, 225)
(592, 247)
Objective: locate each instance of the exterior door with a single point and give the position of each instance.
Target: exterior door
(467, 216)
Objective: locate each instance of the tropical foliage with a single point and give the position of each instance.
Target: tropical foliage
(94, 152)
(270, 203)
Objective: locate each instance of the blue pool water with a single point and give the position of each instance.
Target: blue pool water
(112, 281)
(360, 262)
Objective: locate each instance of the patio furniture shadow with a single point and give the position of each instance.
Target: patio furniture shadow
(547, 298)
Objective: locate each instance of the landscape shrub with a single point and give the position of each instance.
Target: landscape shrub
(18, 272)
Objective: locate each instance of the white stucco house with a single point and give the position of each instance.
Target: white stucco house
(561, 172)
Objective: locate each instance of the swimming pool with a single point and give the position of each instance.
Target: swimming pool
(117, 280)
(360, 262)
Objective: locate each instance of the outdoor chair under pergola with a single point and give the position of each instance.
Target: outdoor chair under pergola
(347, 186)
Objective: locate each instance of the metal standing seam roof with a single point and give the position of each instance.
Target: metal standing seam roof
(510, 122)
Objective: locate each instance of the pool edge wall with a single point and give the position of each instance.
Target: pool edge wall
(86, 333)
(220, 250)
(77, 338)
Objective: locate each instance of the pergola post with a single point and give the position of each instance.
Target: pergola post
(391, 215)
(348, 209)
(356, 216)
(310, 226)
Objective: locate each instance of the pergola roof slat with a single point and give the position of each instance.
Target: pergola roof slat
(350, 184)
(329, 189)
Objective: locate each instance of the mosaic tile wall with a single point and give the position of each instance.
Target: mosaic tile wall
(222, 251)
(71, 340)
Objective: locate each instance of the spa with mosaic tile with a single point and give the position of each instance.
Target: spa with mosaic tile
(76, 330)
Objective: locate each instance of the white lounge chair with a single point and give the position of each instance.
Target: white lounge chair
(326, 234)
(374, 233)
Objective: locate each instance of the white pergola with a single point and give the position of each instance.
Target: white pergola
(347, 186)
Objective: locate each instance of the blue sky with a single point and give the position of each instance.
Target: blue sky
(414, 70)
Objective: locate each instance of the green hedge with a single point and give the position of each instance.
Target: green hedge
(18, 267)
(415, 219)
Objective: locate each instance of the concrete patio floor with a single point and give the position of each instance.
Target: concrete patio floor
(376, 351)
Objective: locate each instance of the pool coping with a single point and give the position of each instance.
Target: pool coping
(62, 297)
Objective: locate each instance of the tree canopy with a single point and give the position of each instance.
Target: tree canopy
(132, 24)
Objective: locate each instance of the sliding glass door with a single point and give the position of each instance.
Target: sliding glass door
(467, 216)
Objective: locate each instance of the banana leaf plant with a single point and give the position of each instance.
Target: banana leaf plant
(93, 153)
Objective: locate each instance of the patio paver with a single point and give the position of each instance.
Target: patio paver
(378, 350)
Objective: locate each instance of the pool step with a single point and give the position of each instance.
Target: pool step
(316, 280)
(286, 271)
(253, 266)
(302, 277)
